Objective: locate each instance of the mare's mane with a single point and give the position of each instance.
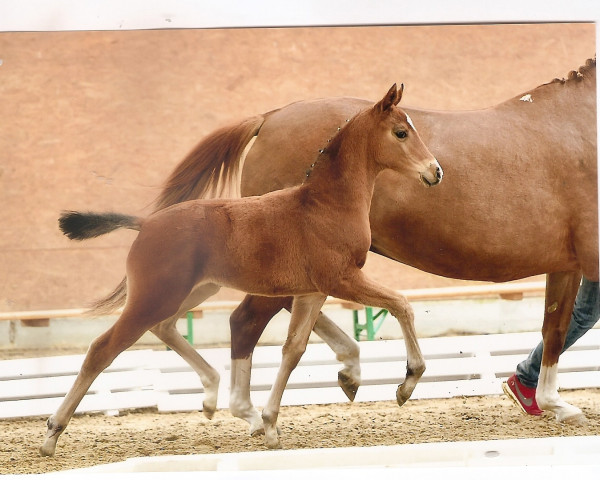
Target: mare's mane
(549, 89)
(575, 76)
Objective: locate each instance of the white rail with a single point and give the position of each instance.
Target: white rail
(511, 291)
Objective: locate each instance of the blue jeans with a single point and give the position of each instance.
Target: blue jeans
(585, 315)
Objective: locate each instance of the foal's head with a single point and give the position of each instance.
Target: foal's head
(394, 142)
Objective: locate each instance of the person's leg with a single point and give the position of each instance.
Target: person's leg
(585, 315)
(521, 387)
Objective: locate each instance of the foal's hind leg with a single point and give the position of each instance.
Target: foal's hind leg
(356, 287)
(304, 315)
(167, 332)
(103, 350)
(561, 290)
(346, 351)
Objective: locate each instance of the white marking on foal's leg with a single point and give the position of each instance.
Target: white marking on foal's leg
(211, 393)
(240, 403)
(547, 397)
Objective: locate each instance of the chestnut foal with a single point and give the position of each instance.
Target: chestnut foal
(308, 242)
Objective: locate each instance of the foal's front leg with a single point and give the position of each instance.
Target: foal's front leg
(357, 287)
(305, 311)
(247, 322)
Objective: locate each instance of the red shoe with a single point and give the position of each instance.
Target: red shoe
(523, 396)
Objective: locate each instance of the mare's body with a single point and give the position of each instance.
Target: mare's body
(520, 199)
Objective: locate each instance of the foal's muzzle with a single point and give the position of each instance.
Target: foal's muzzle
(432, 175)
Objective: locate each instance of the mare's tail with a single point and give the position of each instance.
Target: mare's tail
(205, 171)
(211, 166)
(81, 226)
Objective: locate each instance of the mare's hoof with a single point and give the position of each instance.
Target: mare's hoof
(577, 419)
(348, 385)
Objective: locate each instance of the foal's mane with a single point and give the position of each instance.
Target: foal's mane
(331, 149)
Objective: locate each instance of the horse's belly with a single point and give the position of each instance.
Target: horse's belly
(469, 258)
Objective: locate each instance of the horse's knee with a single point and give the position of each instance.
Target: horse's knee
(403, 311)
(240, 317)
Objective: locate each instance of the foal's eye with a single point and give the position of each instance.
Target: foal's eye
(401, 133)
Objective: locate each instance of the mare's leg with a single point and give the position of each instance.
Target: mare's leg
(561, 290)
(304, 315)
(585, 316)
(167, 332)
(357, 287)
(247, 324)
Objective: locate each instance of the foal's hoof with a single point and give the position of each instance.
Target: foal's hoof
(402, 396)
(47, 450)
(274, 444)
(348, 385)
(45, 453)
(208, 412)
(260, 430)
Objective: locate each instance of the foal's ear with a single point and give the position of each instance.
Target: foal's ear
(392, 97)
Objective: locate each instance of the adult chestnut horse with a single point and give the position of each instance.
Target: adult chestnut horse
(520, 199)
(308, 241)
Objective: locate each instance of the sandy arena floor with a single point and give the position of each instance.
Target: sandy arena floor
(98, 439)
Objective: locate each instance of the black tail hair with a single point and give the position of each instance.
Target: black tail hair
(84, 225)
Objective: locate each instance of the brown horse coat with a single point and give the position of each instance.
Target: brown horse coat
(308, 241)
(520, 197)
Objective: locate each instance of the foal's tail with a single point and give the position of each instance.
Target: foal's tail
(206, 171)
(211, 166)
(81, 226)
